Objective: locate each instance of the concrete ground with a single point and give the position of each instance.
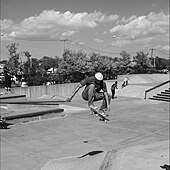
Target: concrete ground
(135, 138)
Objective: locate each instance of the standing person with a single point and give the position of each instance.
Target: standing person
(125, 82)
(95, 89)
(113, 88)
(7, 79)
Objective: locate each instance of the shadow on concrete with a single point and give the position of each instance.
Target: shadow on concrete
(92, 153)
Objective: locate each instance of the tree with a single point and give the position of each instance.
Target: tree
(13, 63)
(48, 62)
(142, 62)
(161, 63)
(125, 61)
(74, 66)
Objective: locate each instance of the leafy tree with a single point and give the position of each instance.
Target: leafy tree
(124, 62)
(48, 62)
(28, 64)
(161, 63)
(13, 63)
(142, 62)
(74, 65)
(104, 64)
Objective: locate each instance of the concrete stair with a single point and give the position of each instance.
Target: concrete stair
(17, 108)
(163, 96)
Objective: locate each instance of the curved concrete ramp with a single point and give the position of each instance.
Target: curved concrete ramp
(59, 98)
(46, 96)
(142, 157)
(148, 78)
(138, 84)
(84, 162)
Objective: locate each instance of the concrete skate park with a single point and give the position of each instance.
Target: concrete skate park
(67, 137)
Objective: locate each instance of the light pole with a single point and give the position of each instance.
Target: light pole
(125, 38)
(154, 63)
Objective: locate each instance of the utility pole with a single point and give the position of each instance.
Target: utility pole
(64, 44)
(152, 49)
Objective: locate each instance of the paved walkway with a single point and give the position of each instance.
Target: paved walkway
(137, 127)
(135, 138)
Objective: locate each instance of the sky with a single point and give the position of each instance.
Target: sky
(107, 27)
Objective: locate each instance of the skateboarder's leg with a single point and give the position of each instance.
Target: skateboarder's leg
(88, 94)
(104, 104)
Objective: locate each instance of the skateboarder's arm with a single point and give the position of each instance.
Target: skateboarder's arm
(74, 92)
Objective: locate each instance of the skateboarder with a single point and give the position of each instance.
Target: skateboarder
(125, 82)
(113, 88)
(3, 123)
(95, 89)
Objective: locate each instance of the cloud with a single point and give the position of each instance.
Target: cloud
(98, 40)
(104, 32)
(6, 24)
(150, 25)
(166, 48)
(68, 33)
(144, 28)
(126, 20)
(54, 24)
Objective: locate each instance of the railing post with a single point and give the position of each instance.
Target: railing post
(145, 95)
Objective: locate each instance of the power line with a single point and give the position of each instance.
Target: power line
(70, 42)
(76, 43)
(84, 46)
(162, 52)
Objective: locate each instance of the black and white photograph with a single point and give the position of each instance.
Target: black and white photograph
(84, 85)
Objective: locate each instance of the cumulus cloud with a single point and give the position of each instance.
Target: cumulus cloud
(104, 32)
(6, 24)
(126, 20)
(143, 26)
(143, 29)
(54, 24)
(98, 40)
(166, 48)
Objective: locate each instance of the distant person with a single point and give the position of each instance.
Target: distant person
(7, 79)
(3, 123)
(113, 88)
(125, 82)
(95, 89)
(23, 83)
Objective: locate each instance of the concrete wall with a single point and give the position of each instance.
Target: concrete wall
(64, 90)
(137, 86)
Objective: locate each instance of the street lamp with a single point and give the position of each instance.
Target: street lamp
(64, 40)
(125, 38)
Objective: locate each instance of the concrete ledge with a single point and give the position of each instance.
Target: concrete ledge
(46, 102)
(10, 96)
(33, 114)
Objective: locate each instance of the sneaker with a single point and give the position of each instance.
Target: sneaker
(102, 113)
(91, 113)
(94, 107)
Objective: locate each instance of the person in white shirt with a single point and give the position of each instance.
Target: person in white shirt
(125, 82)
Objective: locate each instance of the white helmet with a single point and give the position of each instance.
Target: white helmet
(99, 76)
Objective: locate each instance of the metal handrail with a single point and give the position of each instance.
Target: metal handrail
(155, 87)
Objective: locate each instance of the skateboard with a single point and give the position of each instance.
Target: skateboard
(102, 118)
